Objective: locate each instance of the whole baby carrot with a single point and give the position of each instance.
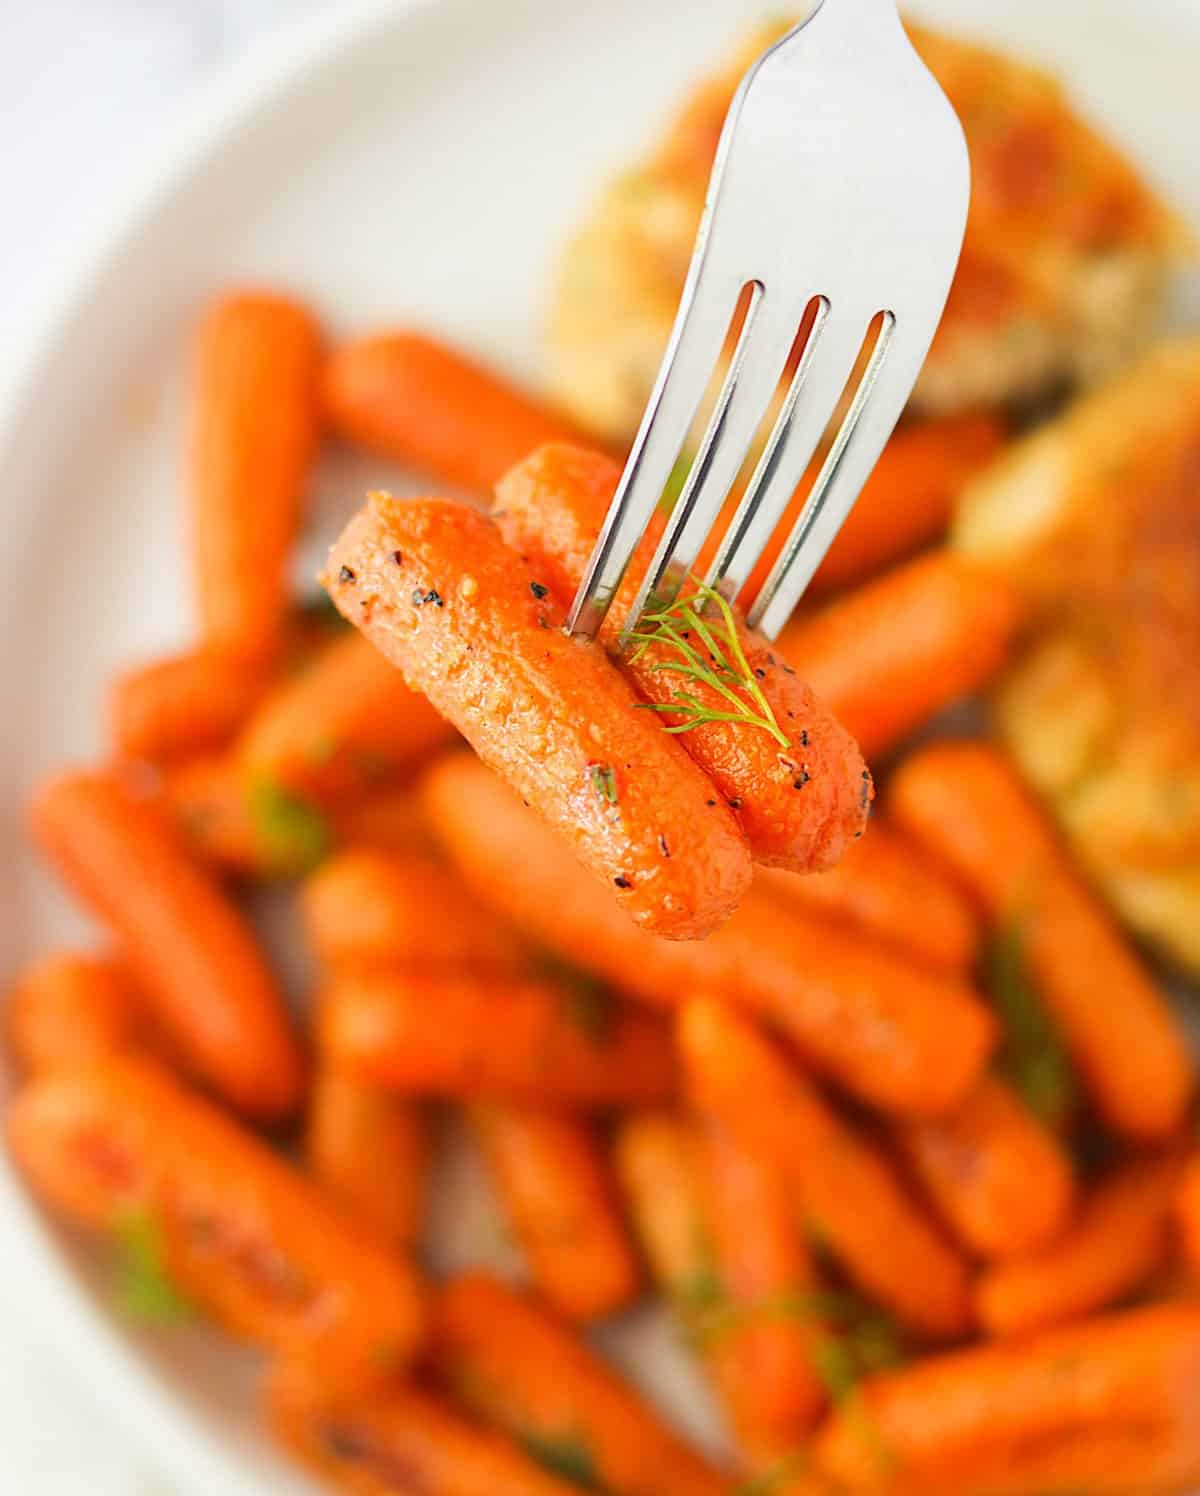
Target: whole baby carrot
(184, 705)
(554, 1185)
(1187, 1210)
(1120, 1238)
(906, 1040)
(194, 957)
(514, 1366)
(422, 403)
(395, 1439)
(65, 1008)
(790, 769)
(997, 1176)
(887, 889)
(389, 820)
(369, 1150)
(454, 1034)
(341, 728)
(897, 651)
(1106, 1406)
(434, 586)
(255, 431)
(845, 1188)
(966, 803)
(243, 1235)
(658, 1160)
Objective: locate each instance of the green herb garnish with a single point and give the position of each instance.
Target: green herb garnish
(676, 480)
(604, 781)
(1033, 1057)
(567, 1457)
(293, 834)
(587, 1000)
(779, 1474)
(143, 1289)
(709, 651)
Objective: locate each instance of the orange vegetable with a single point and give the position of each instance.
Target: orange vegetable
(244, 1236)
(254, 438)
(887, 889)
(967, 805)
(422, 403)
(451, 1034)
(553, 1183)
(516, 1367)
(1121, 1237)
(184, 704)
(658, 1161)
(801, 797)
(891, 655)
(1001, 1179)
(369, 1150)
(1106, 1406)
(904, 1039)
(845, 1188)
(65, 1008)
(1187, 1206)
(343, 726)
(366, 908)
(461, 615)
(194, 957)
(389, 821)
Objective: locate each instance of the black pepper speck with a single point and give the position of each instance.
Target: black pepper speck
(538, 590)
(804, 737)
(435, 597)
(622, 882)
(397, 558)
(662, 846)
(760, 672)
(346, 575)
(736, 803)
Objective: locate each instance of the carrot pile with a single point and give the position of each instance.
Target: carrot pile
(890, 1117)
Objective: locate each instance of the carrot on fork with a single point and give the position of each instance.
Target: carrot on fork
(184, 705)
(194, 957)
(434, 586)
(65, 1008)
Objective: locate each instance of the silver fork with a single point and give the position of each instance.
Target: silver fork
(841, 179)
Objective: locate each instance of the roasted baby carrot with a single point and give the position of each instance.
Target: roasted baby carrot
(887, 888)
(1121, 1237)
(1106, 1406)
(244, 1235)
(997, 1176)
(514, 1366)
(396, 1439)
(794, 775)
(369, 1150)
(389, 821)
(369, 909)
(846, 1189)
(424, 404)
(967, 805)
(194, 957)
(554, 1185)
(255, 430)
(904, 1039)
(658, 1161)
(65, 1008)
(341, 728)
(434, 586)
(184, 705)
(454, 1034)
(1187, 1210)
(891, 655)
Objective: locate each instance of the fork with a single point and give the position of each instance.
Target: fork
(838, 199)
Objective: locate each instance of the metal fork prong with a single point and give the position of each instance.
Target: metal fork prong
(687, 367)
(864, 432)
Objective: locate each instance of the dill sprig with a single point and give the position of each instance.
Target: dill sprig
(721, 665)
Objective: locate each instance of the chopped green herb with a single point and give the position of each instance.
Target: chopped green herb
(567, 1457)
(1033, 1057)
(293, 834)
(779, 1474)
(321, 610)
(604, 779)
(143, 1288)
(676, 479)
(697, 1297)
(587, 1001)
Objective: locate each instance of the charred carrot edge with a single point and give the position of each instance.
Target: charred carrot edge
(419, 402)
(433, 585)
(369, 1150)
(796, 778)
(891, 655)
(65, 1008)
(255, 432)
(452, 1034)
(364, 908)
(341, 728)
(554, 1185)
(245, 1236)
(194, 957)
(1187, 1210)
(888, 889)
(1001, 1180)
(966, 803)
(514, 1366)
(1121, 1237)
(847, 1191)
(1108, 1404)
(906, 1040)
(183, 705)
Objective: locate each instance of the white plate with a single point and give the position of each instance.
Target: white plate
(411, 161)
